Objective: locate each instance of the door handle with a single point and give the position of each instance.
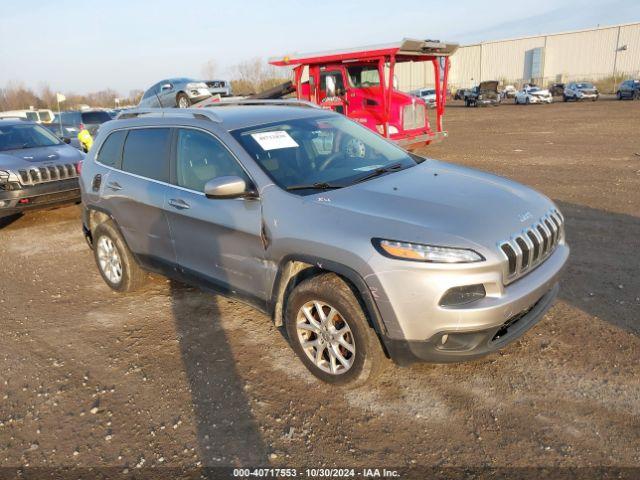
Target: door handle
(179, 204)
(115, 186)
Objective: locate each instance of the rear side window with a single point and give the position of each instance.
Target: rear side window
(146, 153)
(95, 117)
(111, 152)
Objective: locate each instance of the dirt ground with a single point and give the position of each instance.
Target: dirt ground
(174, 377)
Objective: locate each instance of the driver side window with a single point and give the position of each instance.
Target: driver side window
(200, 157)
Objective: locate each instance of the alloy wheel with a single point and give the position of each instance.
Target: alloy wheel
(109, 260)
(325, 337)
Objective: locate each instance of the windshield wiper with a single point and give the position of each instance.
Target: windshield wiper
(315, 186)
(379, 171)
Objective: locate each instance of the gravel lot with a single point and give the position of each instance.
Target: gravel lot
(174, 377)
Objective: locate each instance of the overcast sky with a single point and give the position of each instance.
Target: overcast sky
(130, 44)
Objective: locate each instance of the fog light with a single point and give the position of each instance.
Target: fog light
(461, 295)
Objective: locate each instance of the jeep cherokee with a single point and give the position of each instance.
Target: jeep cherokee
(360, 249)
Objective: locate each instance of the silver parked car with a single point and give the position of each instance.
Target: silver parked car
(359, 249)
(580, 91)
(175, 93)
(37, 169)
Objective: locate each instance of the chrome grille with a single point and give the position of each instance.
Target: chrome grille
(50, 173)
(529, 248)
(413, 116)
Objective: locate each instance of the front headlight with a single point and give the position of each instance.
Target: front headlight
(425, 253)
(4, 176)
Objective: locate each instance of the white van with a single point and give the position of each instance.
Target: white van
(39, 116)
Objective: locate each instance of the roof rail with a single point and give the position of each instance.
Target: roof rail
(263, 102)
(169, 113)
(14, 117)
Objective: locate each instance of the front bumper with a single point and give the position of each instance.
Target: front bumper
(43, 195)
(535, 99)
(450, 347)
(197, 95)
(407, 296)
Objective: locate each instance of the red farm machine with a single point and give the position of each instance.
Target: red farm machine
(359, 83)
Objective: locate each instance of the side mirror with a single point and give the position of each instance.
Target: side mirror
(228, 187)
(166, 86)
(66, 140)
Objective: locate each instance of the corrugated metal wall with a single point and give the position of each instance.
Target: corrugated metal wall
(588, 55)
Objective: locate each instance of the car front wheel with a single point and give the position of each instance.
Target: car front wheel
(329, 332)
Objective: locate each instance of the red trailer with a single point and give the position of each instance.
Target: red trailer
(358, 82)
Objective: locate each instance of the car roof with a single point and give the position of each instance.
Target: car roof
(15, 121)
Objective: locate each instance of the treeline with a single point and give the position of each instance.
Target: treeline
(16, 96)
(251, 76)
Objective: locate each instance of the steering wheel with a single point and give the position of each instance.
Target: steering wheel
(329, 160)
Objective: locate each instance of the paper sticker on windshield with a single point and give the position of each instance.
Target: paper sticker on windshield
(274, 140)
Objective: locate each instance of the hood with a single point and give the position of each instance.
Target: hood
(439, 202)
(33, 157)
(488, 86)
(541, 92)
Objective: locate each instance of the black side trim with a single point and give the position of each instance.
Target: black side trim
(342, 270)
(196, 279)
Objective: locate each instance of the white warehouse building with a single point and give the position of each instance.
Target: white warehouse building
(611, 52)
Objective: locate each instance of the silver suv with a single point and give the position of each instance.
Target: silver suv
(37, 169)
(360, 249)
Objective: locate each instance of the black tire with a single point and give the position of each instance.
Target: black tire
(368, 360)
(619, 94)
(527, 101)
(182, 97)
(636, 95)
(132, 276)
(565, 98)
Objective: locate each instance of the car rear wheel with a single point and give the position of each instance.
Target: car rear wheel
(328, 330)
(182, 101)
(116, 263)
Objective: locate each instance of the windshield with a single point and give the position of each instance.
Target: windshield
(584, 85)
(326, 150)
(13, 137)
(363, 76)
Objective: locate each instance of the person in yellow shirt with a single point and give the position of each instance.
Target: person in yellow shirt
(85, 139)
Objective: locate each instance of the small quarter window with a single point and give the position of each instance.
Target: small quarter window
(110, 153)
